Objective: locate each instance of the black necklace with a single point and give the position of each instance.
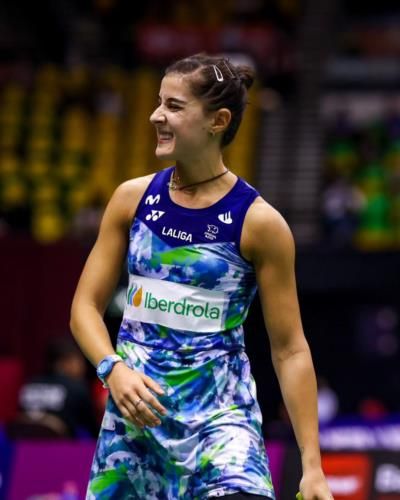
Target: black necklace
(173, 183)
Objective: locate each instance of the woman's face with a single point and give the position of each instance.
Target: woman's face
(181, 124)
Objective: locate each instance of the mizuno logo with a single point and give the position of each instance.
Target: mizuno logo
(225, 218)
(151, 200)
(155, 215)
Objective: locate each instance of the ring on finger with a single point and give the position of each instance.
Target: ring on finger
(136, 403)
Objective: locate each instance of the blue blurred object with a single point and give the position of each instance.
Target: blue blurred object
(6, 455)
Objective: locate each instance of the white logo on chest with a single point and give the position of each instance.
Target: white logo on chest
(211, 232)
(226, 218)
(177, 234)
(151, 200)
(155, 215)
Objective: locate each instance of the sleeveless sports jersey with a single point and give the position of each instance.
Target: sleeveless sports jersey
(188, 295)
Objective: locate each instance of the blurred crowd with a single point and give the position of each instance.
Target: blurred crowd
(78, 84)
(65, 145)
(61, 401)
(361, 196)
(361, 113)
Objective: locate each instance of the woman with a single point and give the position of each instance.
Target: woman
(183, 421)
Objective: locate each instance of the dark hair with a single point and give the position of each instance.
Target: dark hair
(219, 84)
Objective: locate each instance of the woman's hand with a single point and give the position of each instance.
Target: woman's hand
(313, 486)
(131, 394)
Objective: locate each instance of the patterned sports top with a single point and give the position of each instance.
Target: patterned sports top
(186, 274)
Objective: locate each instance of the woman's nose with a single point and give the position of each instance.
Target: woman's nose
(157, 116)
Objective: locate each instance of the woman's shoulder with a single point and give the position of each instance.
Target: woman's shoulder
(133, 187)
(265, 228)
(126, 197)
(262, 215)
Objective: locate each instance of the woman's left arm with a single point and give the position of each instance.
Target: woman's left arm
(267, 241)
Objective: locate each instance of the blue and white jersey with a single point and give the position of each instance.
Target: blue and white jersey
(188, 295)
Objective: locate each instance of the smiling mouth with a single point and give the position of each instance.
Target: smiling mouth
(164, 137)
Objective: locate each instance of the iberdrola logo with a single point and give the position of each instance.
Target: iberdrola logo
(181, 306)
(174, 305)
(135, 294)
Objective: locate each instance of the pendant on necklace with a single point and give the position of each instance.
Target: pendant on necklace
(172, 185)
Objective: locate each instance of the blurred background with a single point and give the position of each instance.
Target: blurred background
(320, 141)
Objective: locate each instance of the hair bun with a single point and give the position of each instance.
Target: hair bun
(245, 75)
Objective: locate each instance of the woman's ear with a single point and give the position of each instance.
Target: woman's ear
(220, 121)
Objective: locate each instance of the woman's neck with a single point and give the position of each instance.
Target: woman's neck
(185, 174)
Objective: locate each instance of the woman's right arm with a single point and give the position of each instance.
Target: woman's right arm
(96, 285)
(101, 274)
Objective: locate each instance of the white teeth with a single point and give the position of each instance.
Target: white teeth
(165, 137)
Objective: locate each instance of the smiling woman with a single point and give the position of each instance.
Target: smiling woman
(182, 421)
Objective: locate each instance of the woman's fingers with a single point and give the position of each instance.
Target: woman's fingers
(138, 412)
(145, 414)
(150, 398)
(128, 415)
(154, 403)
(152, 384)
